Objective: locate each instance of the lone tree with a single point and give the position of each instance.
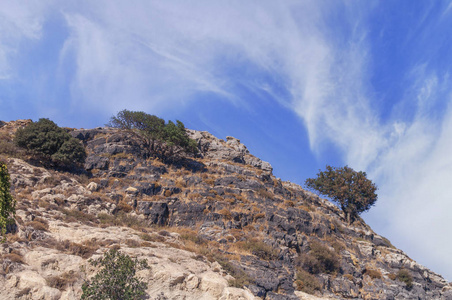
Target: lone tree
(45, 140)
(350, 189)
(117, 278)
(7, 202)
(158, 138)
(148, 128)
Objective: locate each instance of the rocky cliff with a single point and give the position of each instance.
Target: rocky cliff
(215, 226)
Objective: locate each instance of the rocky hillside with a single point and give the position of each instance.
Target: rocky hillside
(215, 226)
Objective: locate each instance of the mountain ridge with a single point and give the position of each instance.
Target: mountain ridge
(266, 237)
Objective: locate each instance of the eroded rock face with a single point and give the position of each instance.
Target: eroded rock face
(226, 202)
(216, 149)
(174, 273)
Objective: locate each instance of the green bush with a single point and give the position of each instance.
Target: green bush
(47, 141)
(7, 202)
(117, 278)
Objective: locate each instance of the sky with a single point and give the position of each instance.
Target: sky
(301, 83)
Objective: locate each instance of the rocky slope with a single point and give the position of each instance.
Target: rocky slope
(216, 226)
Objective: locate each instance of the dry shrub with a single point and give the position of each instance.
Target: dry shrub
(258, 216)
(209, 181)
(258, 248)
(338, 245)
(133, 243)
(164, 233)
(123, 206)
(194, 196)
(152, 238)
(192, 236)
(62, 281)
(349, 277)
(320, 259)
(14, 257)
(240, 280)
(23, 292)
(38, 225)
(180, 183)
(121, 219)
(85, 250)
(168, 193)
(404, 276)
(43, 204)
(74, 215)
(226, 213)
(374, 274)
(306, 282)
(263, 193)
(7, 146)
(306, 207)
(289, 203)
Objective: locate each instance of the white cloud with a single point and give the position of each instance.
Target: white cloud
(156, 55)
(19, 20)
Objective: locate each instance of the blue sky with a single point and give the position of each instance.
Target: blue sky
(301, 83)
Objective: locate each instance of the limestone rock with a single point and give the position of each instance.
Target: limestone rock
(92, 186)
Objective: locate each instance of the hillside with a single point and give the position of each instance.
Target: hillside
(217, 225)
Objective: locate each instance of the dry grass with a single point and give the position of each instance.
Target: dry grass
(72, 215)
(349, 277)
(14, 257)
(226, 213)
(258, 248)
(209, 181)
(84, 250)
(374, 274)
(62, 281)
(258, 216)
(38, 225)
(152, 238)
(306, 282)
(123, 206)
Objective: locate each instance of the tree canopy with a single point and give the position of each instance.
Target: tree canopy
(159, 138)
(347, 187)
(117, 278)
(7, 202)
(50, 142)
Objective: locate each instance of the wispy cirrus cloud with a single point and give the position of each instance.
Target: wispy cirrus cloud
(315, 58)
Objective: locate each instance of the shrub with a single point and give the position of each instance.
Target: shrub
(241, 278)
(117, 278)
(320, 259)
(260, 249)
(374, 274)
(350, 189)
(62, 281)
(37, 225)
(404, 276)
(158, 138)
(306, 282)
(51, 143)
(7, 202)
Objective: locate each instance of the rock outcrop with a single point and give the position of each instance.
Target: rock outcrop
(215, 226)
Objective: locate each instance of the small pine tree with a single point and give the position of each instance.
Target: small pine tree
(7, 202)
(117, 279)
